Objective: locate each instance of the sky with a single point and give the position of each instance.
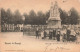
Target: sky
(38, 5)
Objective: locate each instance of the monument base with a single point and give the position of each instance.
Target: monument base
(54, 24)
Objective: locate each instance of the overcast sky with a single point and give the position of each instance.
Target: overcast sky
(38, 5)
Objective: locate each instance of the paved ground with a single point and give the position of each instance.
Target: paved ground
(16, 42)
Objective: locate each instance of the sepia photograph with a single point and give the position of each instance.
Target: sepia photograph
(39, 25)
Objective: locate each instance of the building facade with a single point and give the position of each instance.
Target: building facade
(12, 27)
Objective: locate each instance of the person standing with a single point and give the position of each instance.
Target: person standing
(58, 36)
(45, 34)
(50, 34)
(42, 34)
(37, 34)
(54, 34)
(73, 35)
(64, 37)
(68, 34)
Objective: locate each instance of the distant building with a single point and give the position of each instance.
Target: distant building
(12, 27)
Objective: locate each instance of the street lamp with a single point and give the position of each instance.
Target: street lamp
(23, 18)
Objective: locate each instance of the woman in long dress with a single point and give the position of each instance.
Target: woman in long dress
(42, 34)
(72, 35)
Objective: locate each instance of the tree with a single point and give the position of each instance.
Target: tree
(32, 17)
(64, 16)
(9, 16)
(74, 16)
(3, 16)
(26, 18)
(40, 17)
(17, 17)
(47, 14)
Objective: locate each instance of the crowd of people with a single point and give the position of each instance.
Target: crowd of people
(57, 34)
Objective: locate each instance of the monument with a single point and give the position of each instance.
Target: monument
(54, 20)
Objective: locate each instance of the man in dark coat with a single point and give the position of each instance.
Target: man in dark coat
(54, 34)
(68, 34)
(50, 35)
(45, 34)
(58, 36)
(37, 34)
(64, 37)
